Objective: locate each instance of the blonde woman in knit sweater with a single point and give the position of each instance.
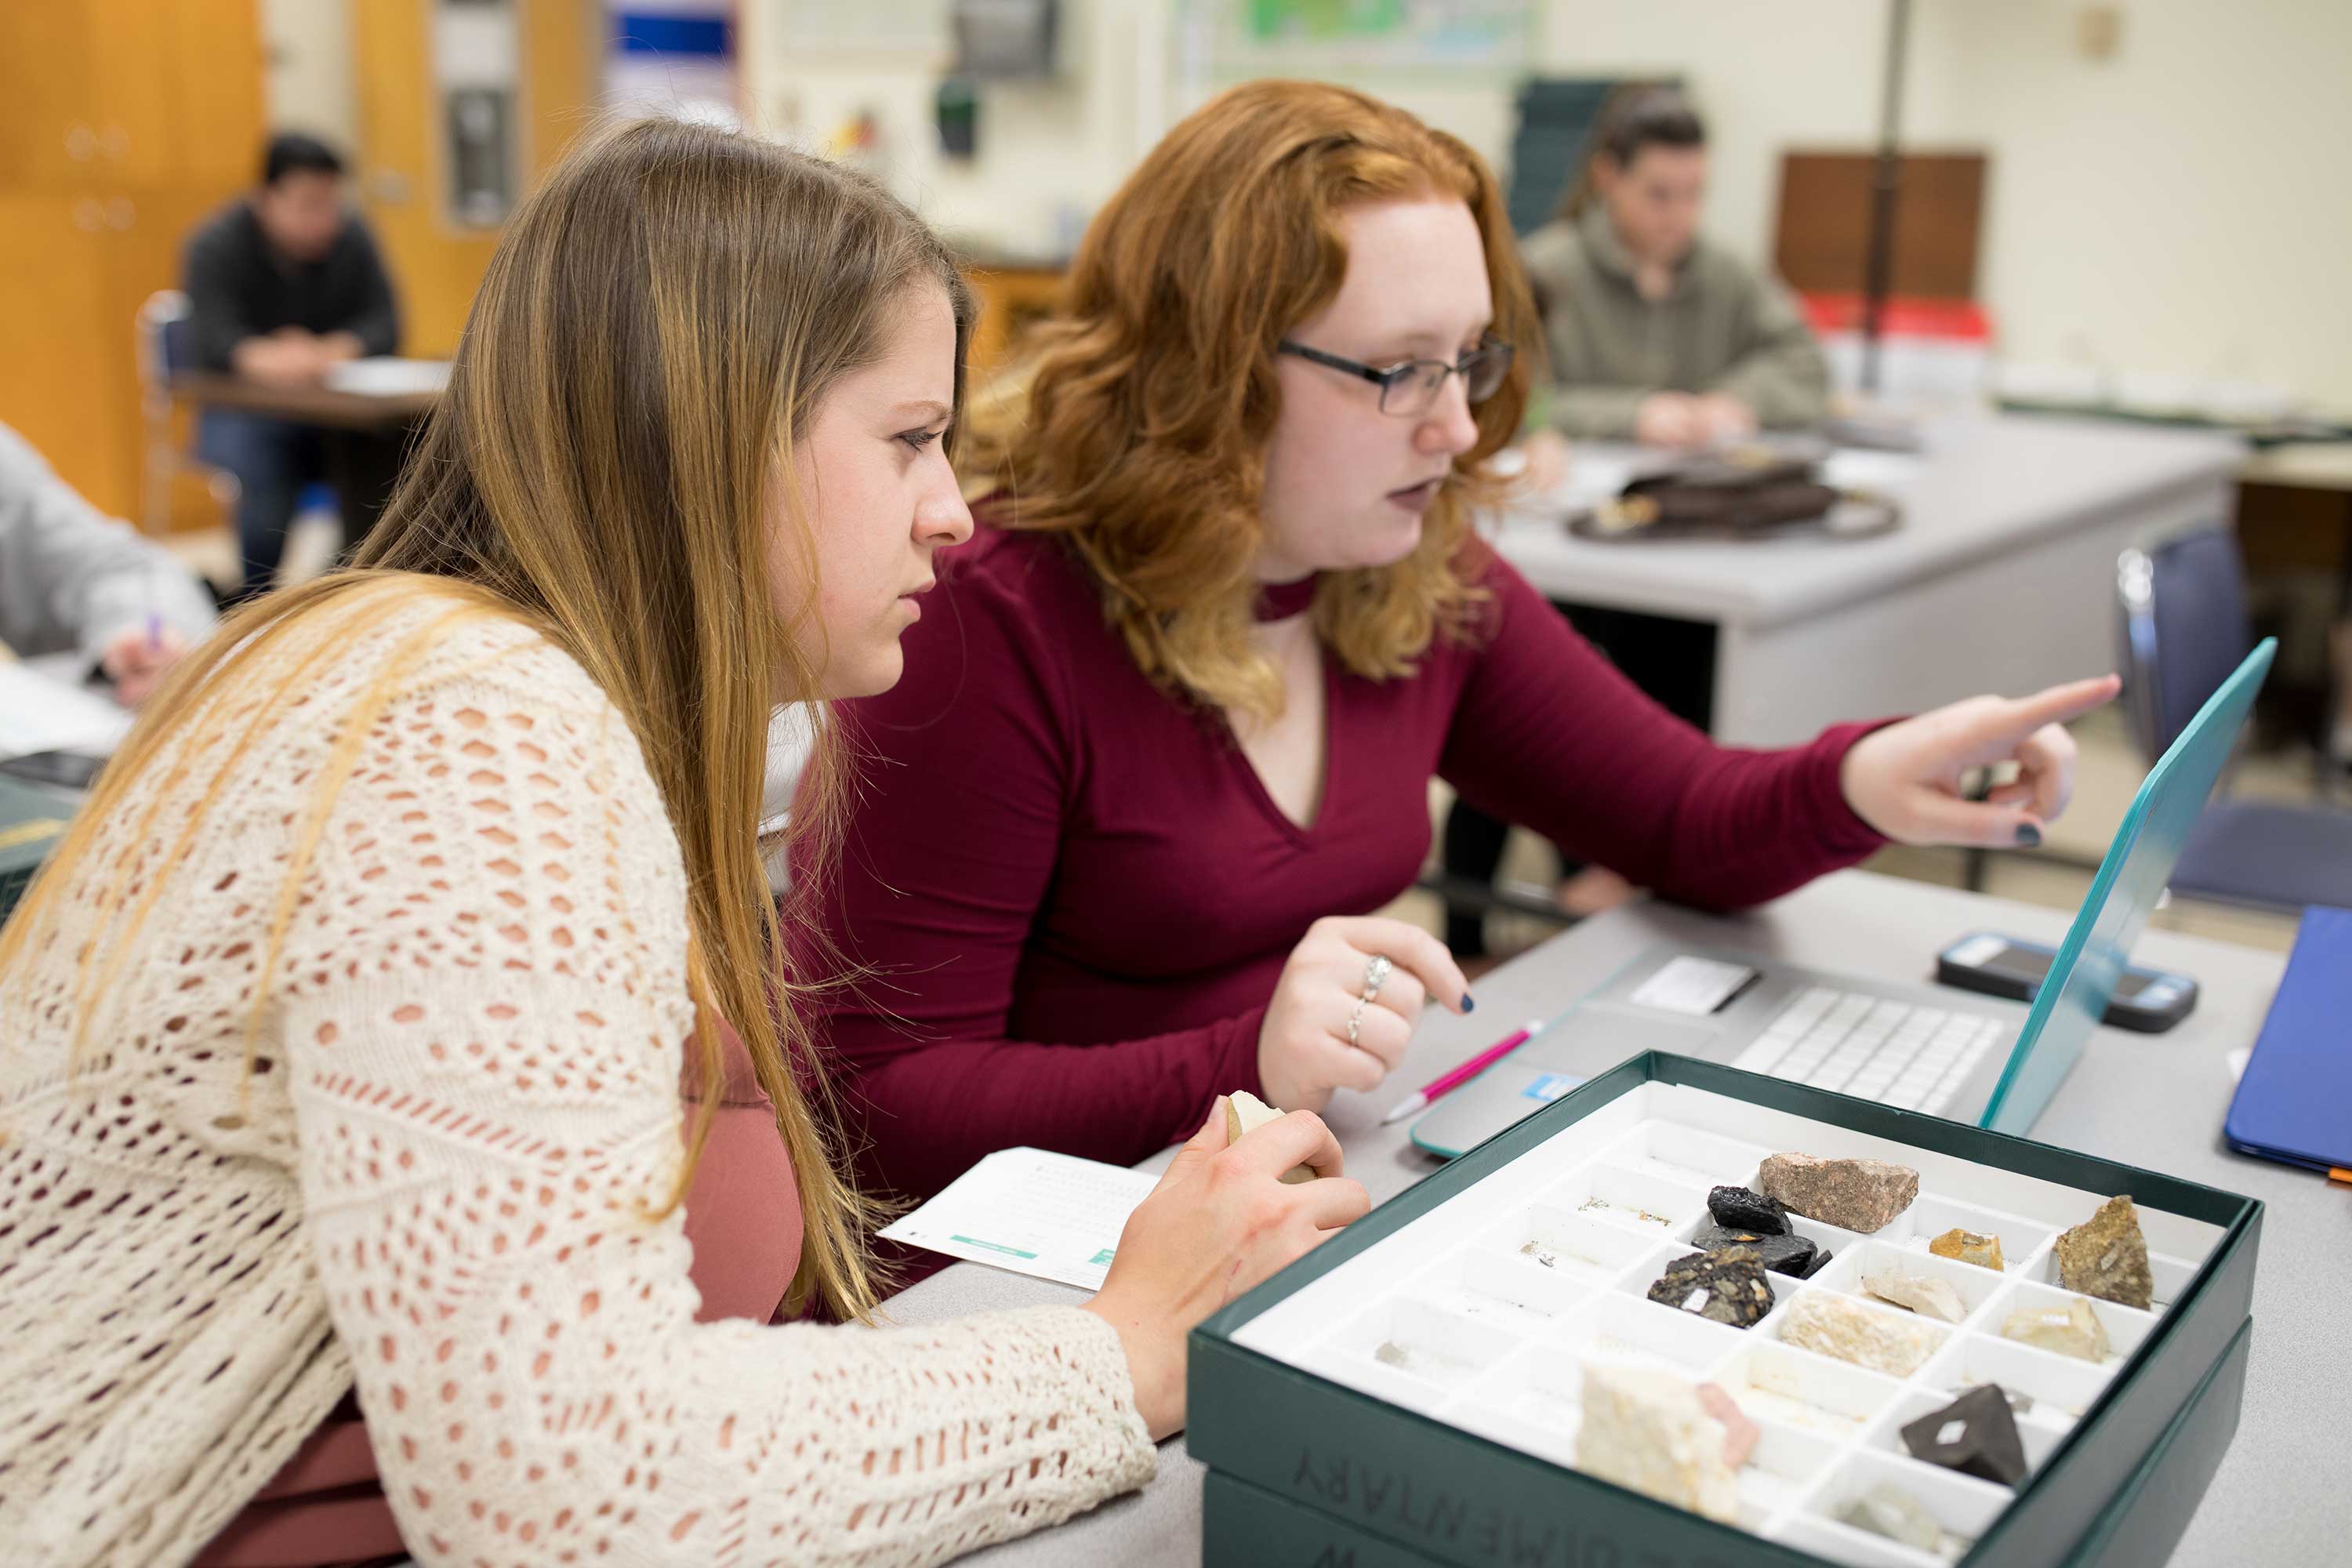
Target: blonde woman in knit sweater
(341, 1042)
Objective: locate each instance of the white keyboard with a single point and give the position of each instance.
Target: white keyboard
(1912, 1057)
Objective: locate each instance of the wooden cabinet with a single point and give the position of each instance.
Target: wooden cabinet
(122, 123)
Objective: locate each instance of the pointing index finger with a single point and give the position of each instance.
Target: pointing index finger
(2060, 704)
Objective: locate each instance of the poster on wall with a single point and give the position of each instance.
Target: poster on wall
(1322, 36)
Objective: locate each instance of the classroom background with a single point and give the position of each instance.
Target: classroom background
(2117, 213)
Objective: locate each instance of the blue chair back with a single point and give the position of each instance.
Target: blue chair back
(2184, 630)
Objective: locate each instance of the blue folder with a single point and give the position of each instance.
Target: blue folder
(2294, 1102)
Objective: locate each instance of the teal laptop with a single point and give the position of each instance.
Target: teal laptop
(1918, 1047)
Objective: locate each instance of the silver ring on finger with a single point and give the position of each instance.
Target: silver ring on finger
(1356, 1019)
(1376, 974)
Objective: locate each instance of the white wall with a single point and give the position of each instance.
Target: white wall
(2182, 209)
(307, 85)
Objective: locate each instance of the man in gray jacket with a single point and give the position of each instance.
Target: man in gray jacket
(74, 580)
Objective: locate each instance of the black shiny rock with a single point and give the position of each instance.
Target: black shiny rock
(1736, 1208)
(1726, 1287)
(1975, 1433)
(1789, 1255)
(1820, 1261)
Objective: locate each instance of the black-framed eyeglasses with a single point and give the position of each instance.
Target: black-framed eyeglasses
(1410, 389)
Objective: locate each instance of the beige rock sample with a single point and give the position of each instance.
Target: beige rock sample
(1833, 1326)
(1968, 1247)
(1921, 1293)
(1245, 1112)
(2107, 1256)
(1856, 1194)
(2072, 1329)
(1649, 1431)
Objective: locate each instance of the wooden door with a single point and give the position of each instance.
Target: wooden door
(56, 388)
(436, 263)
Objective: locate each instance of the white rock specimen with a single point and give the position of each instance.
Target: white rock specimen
(1922, 1293)
(1887, 1510)
(1245, 1112)
(1649, 1431)
(2072, 1329)
(1833, 1326)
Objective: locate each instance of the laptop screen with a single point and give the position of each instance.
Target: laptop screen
(2131, 879)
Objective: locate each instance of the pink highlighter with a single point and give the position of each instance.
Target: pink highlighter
(1413, 1104)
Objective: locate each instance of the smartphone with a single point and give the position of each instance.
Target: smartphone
(2149, 1000)
(67, 769)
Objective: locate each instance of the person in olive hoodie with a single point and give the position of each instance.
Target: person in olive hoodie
(1656, 334)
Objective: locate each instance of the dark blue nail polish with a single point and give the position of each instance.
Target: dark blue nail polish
(2029, 836)
(1469, 1004)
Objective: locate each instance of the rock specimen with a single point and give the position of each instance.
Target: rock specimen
(1887, 1510)
(1649, 1431)
(1740, 1434)
(1726, 1287)
(1968, 1247)
(2107, 1256)
(1820, 1261)
(1737, 1208)
(1854, 1194)
(1790, 1255)
(2072, 1329)
(1922, 1293)
(1245, 1112)
(1975, 1433)
(1833, 1326)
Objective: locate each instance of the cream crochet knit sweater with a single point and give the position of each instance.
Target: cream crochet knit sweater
(467, 1075)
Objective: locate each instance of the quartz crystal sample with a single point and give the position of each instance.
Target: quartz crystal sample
(2072, 1330)
(1245, 1112)
(1887, 1510)
(1790, 1255)
(1854, 1194)
(1740, 1434)
(1975, 1433)
(1833, 1326)
(1650, 1431)
(1922, 1293)
(1726, 1287)
(1968, 1247)
(2107, 1256)
(1737, 1208)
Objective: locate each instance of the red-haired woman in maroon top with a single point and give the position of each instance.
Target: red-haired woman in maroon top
(1172, 714)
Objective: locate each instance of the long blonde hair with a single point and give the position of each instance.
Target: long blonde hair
(1136, 426)
(653, 335)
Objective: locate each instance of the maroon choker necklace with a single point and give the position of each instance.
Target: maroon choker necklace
(1280, 601)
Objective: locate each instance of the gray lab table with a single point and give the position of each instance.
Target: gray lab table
(2000, 579)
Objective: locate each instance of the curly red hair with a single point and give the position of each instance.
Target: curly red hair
(1152, 393)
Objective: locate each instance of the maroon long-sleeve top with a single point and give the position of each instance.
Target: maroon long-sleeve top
(1076, 895)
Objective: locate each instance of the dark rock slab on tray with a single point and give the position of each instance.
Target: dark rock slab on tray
(1975, 1433)
(1737, 1208)
(1789, 1255)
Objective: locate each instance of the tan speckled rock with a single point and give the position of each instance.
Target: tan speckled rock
(2106, 1256)
(1856, 1194)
